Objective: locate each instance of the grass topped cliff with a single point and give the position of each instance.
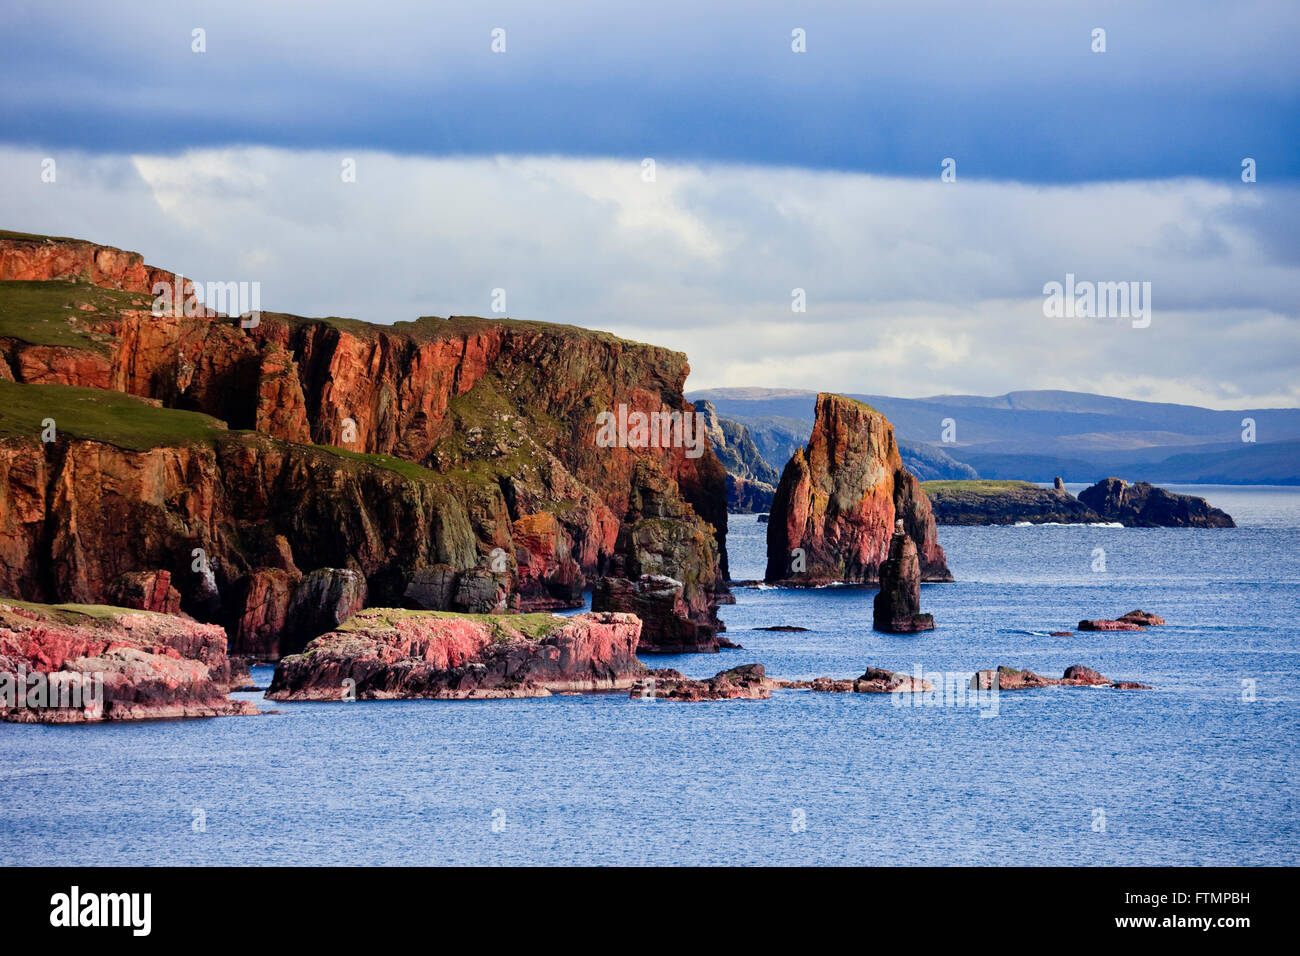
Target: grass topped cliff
(333, 445)
(100, 415)
(978, 487)
(58, 313)
(433, 328)
(81, 615)
(531, 627)
(33, 237)
(982, 501)
(1110, 500)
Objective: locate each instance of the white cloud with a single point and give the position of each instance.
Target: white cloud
(913, 287)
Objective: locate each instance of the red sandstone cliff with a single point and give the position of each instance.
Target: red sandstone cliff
(518, 507)
(839, 498)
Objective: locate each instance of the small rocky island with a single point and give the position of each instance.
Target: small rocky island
(1113, 500)
(392, 653)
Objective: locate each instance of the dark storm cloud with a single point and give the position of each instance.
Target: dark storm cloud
(1186, 88)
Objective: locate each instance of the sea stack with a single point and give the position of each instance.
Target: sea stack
(898, 605)
(838, 501)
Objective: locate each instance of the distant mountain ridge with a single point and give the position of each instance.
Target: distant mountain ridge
(1038, 435)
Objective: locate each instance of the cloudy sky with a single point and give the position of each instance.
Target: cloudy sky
(524, 170)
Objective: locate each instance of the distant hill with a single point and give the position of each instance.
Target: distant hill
(1038, 435)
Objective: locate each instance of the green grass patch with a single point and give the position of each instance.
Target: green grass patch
(407, 469)
(855, 401)
(505, 627)
(33, 237)
(101, 415)
(981, 486)
(46, 313)
(83, 615)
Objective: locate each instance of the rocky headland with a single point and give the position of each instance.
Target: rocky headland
(751, 481)
(283, 472)
(1111, 500)
(833, 515)
(1142, 505)
(85, 664)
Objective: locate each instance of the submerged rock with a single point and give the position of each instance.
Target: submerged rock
(1145, 618)
(1107, 625)
(1076, 675)
(897, 608)
(1132, 621)
(874, 681)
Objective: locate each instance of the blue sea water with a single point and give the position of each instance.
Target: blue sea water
(1192, 772)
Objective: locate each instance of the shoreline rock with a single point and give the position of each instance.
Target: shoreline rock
(398, 654)
(746, 682)
(658, 599)
(148, 666)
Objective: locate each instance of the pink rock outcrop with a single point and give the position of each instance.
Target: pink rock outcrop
(145, 665)
(385, 653)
